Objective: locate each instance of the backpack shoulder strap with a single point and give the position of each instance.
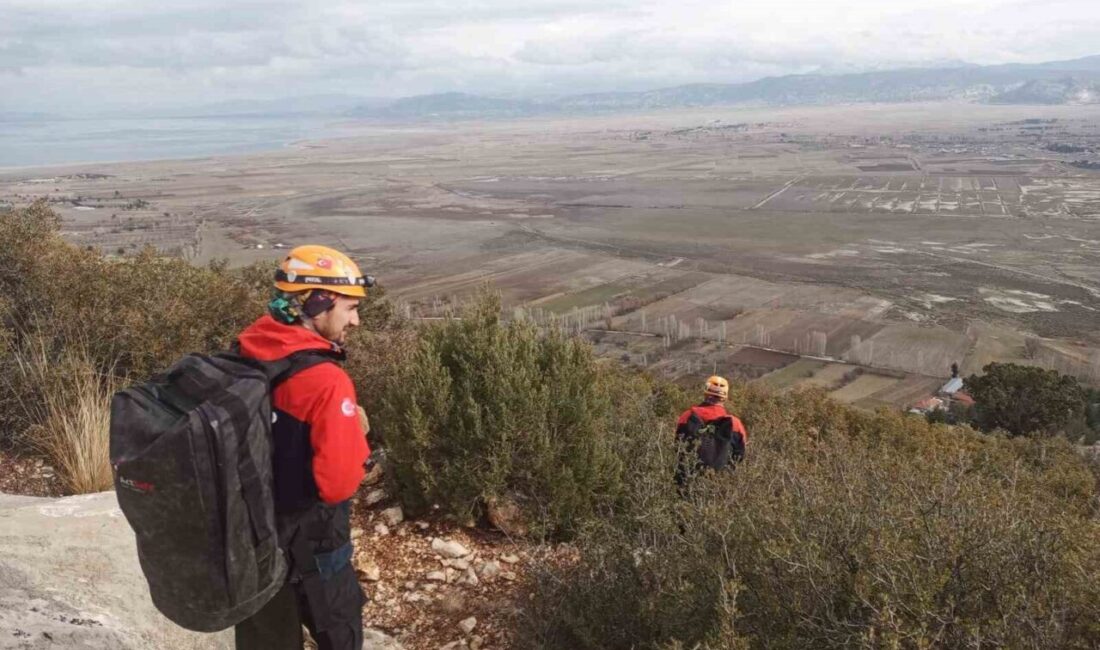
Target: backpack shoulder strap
(297, 362)
(689, 430)
(280, 370)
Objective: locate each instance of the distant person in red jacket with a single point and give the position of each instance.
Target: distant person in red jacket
(319, 453)
(709, 436)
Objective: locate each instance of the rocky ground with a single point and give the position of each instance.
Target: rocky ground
(69, 578)
(27, 475)
(432, 584)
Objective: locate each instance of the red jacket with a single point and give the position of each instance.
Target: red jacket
(708, 412)
(322, 398)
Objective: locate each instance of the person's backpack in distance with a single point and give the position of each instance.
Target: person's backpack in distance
(191, 452)
(712, 444)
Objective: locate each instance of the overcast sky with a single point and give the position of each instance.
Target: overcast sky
(66, 55)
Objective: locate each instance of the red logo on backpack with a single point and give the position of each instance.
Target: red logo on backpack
(138, 486)
(144, 487)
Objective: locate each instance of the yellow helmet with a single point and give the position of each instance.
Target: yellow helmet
(717, 387)
(318, 267)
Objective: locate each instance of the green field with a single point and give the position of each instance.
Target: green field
(794, 374)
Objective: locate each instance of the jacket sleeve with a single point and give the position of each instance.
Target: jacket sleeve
(339, 446)
(739, 427)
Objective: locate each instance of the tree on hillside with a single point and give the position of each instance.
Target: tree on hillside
(1023, 399)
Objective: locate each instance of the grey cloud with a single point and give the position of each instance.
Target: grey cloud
(662, 56)
(437, 13)
(208, 50)
(182, 35)
(17, 54)
(135, 20)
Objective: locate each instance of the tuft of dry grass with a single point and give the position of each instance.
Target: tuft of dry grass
(76, 436)
(70, 407)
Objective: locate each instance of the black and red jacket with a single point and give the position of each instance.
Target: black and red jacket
(722, 448)
(319, 445)
(711, 412)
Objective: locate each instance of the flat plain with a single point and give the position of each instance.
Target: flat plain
(862, 249)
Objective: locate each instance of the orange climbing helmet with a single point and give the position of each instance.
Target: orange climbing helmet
(717, 387)
(319, 267)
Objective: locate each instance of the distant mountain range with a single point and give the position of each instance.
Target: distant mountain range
(1067, 90)
(1061, 82)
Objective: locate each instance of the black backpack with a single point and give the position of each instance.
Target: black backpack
(191, 451)
(707, 445)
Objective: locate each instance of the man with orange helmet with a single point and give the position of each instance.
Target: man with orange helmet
(710, 437)
(319, 452)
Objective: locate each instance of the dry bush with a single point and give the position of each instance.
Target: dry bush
(139, 313)
(842, 529)
(71, 413)
(129, 317)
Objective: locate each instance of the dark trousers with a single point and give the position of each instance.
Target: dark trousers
(278, 626)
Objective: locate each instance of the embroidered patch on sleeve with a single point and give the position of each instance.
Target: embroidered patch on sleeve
(347, 407)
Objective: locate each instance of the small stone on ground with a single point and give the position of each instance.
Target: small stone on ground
(393, 516)
(449, 548)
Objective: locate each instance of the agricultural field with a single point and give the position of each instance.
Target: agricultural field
(900, 194)
(794, 374)
(861, 249)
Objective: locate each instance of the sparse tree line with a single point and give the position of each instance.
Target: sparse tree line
(842, 528)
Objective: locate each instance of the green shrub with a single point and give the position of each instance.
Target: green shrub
(74, 324)
(1025, 400)
(841, 529)
(138, 314)
(131, 317)
(377, 350)
(486, 412)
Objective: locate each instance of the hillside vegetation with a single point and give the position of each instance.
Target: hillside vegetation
(76, 324)
(842, 528)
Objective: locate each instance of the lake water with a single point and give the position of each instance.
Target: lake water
(52, 142)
